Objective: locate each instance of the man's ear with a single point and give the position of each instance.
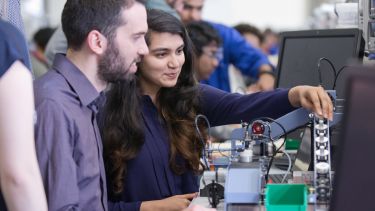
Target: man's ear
(97, 42)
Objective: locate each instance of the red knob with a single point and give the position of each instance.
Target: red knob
(257, 128)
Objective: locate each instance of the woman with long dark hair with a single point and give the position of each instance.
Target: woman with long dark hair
(151, 149)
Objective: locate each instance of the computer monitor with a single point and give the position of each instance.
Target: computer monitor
(300, 52)
(354, 183)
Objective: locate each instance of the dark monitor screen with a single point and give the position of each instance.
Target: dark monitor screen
(354, 181)
(301, 50)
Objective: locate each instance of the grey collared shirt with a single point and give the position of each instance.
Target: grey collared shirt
(68, 142)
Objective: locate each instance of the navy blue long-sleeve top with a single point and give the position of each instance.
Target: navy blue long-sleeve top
(149, 176)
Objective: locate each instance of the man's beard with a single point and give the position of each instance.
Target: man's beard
(112, 66)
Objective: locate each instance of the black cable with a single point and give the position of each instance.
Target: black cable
(337, 75)
(201, 137)
(213, 200)
(278, 149)
(272, 140)
(320, 72)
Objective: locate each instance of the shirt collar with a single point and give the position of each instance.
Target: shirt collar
(78, 81)
(98, 103)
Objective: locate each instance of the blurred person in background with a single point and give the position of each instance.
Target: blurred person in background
(252, 34)
(169, 6)
(270, 44)
(207, 46)
(208, 52)
(254, 37)
(249, 60)
(38, 60)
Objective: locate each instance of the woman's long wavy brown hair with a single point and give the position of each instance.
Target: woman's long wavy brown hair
(123, 132)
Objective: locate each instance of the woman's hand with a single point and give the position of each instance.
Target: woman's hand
(198, 208)
(313, 98)
(177, 202)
